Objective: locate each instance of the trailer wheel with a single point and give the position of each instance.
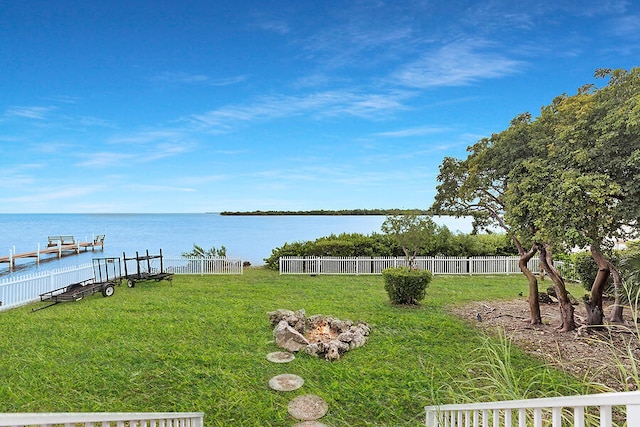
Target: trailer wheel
(130, 283)
(108, 290)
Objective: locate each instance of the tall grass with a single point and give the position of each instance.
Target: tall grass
(199, 344)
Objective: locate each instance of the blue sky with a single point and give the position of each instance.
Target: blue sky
(199, 106)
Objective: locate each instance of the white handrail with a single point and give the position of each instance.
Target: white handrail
(165, 419)
(478, 414)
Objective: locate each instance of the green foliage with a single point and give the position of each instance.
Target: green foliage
(406, 286)
(345, 245)
(634, 245)
(585, 268)
(630, 270)
(445, 243)
(199, 252)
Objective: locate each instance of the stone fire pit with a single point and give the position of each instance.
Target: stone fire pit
(318, 335)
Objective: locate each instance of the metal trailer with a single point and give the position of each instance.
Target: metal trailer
(146, 269)
(106, 275)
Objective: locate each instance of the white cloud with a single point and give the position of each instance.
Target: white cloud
(274, 25)
(38, 113)
(186, 78)
(180, 77)
(329, 103)
(160, 188)
(146, 137)
(67, 193)
(456, 64)
(103, 159)
(409, 132)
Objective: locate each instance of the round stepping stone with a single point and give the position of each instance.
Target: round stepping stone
(280, 357)
(310, 424)
(308, 407)
(286, 382)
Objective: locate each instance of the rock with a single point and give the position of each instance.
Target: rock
(341, 345)
(346, 336)
(297, 319)
(333, 353)
(358, 340)
(276, 316)
(544, 298)
(364, 329)
(318, 335)
(288, 338)
(312, 349)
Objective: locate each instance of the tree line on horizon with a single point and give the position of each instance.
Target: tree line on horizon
(328, 212)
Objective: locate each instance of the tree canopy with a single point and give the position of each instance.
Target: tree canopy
(567, 178)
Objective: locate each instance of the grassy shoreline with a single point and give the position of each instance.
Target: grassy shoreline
(199, 344)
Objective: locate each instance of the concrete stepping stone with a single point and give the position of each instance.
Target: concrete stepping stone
(280, 357)
(310, 424)
(308, 407)
(286, 382)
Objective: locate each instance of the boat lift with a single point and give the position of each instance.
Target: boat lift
(147, 267)
(106, 275)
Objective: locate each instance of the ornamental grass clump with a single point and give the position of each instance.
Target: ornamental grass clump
(406, 286)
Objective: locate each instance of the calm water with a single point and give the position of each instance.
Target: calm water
(251, 238)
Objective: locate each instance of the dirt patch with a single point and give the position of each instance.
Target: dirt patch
(589, 354)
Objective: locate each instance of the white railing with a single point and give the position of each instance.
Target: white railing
(100, 419)
(577, 411)
(368, 265)
(24, 289)
(197, 265)
(27, 288)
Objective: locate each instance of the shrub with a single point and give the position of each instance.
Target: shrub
(406, 286)
(344, 244)
(586, 268)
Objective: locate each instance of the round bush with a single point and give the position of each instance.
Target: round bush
(406, 286)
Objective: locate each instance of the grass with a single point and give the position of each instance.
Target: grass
(199, 344)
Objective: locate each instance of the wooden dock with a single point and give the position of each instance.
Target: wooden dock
(58, 245)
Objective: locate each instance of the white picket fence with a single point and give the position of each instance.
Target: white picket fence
(24, 289)
(100, 419)
(202, 266)
(369, 265)
(577, 411)
(27, 288)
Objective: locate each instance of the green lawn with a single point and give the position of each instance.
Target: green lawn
(199, 344)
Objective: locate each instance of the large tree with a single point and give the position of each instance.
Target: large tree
(476, 187)
(567, 179)
(591, 173)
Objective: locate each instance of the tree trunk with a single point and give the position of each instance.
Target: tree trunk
(618, 307)
(595, 313)
(534, 301)
(566, 309)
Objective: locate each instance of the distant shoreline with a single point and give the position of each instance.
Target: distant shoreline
(329, 212)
